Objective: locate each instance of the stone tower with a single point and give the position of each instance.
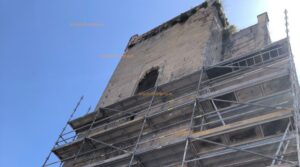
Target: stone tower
(181, 46)
(193, 92)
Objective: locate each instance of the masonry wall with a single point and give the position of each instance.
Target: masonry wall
(199, 38)
(177, 51)
(247, 40)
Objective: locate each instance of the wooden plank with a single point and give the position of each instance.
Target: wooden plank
(244, 124)
(120, 127)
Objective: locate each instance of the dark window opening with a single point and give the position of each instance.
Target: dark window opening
(227, 98)
(206, 106)
(266, 56)
(275, 127)
(242, 63)
(148, 81)
(205, 146)
(274, 53)
(250, 62)
(257, 59)
(131, 118)
(218, 71)
(243, 135)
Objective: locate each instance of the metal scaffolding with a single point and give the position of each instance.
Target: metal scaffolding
(295, 87)
(83, 136)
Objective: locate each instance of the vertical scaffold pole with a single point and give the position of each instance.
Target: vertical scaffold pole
(63, 130)
(192, 118)
(294, 85)
(143, 126)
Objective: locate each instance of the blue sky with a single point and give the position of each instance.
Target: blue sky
(51, 53)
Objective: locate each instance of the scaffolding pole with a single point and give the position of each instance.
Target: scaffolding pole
(294, 85)
(281, 144)
(106, 144)
(63, 130)
(192, 118)
(241, 150)
(86, 135)
(143, 126)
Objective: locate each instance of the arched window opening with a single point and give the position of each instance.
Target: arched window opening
(148, 81)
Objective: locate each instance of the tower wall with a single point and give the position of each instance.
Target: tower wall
(178, 47)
